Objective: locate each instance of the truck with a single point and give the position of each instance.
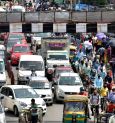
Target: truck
(55, 51)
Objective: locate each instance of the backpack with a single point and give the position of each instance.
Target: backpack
(92, 97)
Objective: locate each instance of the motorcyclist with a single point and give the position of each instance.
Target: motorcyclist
(33, 73)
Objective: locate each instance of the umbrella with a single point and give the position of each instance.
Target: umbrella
(100, 36)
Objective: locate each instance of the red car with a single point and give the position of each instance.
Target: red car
(17, 51)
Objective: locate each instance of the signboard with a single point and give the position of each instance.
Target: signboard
(81, 27)
(15, 27)
(102, 27)
(56, 45)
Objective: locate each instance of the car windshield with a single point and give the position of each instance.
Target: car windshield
(1, 109)
(40, 85)
(2, 53)
(75, 106)
(2, 68)
(25, 93)
(10, 44)
(21, 49)
(69, 80)
(63, 71)
(57, 57)
(18, 36)
(30, 65)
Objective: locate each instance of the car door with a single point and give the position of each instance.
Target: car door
(10, 99)
(4, 91)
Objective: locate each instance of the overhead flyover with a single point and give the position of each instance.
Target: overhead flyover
(58, 21)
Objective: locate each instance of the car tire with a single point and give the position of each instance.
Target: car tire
(16, 112)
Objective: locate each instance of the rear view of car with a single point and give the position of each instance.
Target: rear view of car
(67, 84)
(43, 88)
(17, 51)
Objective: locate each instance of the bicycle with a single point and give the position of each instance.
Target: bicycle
(104, 103)
(95, 113)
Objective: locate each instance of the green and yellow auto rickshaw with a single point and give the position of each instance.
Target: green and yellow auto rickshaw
(75, 109)
(72, 51)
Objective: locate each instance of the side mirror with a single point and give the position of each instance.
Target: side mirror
(17, 68)
(5, 109)
(52, 88)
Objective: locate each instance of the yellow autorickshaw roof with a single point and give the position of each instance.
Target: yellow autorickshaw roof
(70, 98)
(72, 47)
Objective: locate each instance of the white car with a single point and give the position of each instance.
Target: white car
(43, 88)
(2, 72)
(18, 97)
(2, 114)
(2, 9)
(67, 84)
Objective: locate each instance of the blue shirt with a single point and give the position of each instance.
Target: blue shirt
(98, 82)
(111, 97)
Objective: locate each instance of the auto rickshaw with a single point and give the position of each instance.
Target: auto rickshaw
(75, 109)
(72, 51)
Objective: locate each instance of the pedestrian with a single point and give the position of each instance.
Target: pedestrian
(30, 4)
(94, 101)
(103, 94)
(34, 111)
(98, 82)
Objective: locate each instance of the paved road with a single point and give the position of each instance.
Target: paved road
(54, 113)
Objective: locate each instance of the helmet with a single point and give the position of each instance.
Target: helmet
(82, 89)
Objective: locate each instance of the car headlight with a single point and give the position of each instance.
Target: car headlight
(60, 92)
(23, 104)
(43, 103)
(48, 95)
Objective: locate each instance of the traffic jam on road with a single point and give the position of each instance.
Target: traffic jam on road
(70, 75)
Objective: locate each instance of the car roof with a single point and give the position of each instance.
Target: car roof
(44, 79)
(1, 58)
(69, 74)
(31, 58)
(16, 86)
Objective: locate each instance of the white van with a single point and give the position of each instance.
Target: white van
(27, 63)
(2, 72)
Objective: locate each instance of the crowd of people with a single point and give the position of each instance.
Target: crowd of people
(91, 61)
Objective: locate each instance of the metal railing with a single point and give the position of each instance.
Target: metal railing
(58, 17)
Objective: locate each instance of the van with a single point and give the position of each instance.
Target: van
(27, 64)
(2, 72)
